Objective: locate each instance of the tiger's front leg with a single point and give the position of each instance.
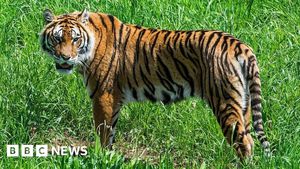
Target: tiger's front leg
(106, 111)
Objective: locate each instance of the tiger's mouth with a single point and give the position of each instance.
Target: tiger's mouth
(64, 68)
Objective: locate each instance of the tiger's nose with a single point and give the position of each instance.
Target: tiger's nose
(65, 57)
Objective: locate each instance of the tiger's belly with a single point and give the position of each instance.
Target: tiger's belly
(156, 94)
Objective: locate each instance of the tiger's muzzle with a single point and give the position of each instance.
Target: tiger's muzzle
(64, 64)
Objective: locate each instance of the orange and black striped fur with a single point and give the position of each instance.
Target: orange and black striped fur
(122, 63)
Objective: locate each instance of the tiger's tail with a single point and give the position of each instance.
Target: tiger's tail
(255, 96)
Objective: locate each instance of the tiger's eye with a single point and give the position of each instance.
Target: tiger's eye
(75, 39)
(56, 36)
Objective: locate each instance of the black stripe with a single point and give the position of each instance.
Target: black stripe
(177, 35)
(147, 82)
(210, 37)
(191, 46)
(146, 59)
(225, 129)
(262, 140)
(231, 41)
(224, 45)
(124, 49)
(137, 54)
(165, 68)
(259, 129)
(149, 96)
(126, 39)
(183, 71)
(166, 97)
(201, 39)
(244, 70)
(137, 26)
(180, 91)
(225, 117)
(231, 86)
(225, 64)
(94, 25)
(121, 33)
(129, 84)
(256, 91)
(255, 101)
(44, 46)
(170, 48)
(166, 73)
(153, 30)
(236, 102)
(187, 38)
(166, 36)
(225, 93)
(256, 108)
(181, 49)
(112, 19)
(256, 117)
(102, 20)
(166, 84)
(239, 50)
(134, 94)
(253, 69)
(154, 43)
(251, 59)
(214, 46)
(254, 86)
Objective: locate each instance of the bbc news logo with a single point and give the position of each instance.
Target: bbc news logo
(44, 151)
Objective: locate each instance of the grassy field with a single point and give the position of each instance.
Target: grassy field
(40, 106)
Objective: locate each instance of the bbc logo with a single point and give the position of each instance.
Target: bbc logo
(26, 150)
(43, 150)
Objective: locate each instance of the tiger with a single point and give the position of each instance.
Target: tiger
(122, 63)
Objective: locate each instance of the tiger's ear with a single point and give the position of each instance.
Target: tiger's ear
(48, 15)
(84, 16)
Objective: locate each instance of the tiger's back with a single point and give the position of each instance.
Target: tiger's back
(132, 63)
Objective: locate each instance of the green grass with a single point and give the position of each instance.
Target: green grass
(40, 106)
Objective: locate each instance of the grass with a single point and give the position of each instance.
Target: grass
(40, 106)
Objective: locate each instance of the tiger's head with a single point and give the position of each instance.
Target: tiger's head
(66, 39)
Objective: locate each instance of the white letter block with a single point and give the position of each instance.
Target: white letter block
(41, 150)
(27, 150)
(12, 150)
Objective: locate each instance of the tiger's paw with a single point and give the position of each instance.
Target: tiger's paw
(244, 147)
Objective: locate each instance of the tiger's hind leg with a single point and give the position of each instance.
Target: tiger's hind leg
(247, 116)
(233, 127)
